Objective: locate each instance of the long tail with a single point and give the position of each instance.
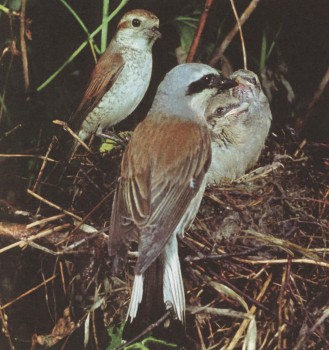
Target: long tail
(160, 287)
(173, 287)
(146, 304)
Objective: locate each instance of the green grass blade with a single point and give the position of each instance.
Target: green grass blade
(93, 46)
(4, 9)
(262, 59)
(106, 6)
(274, 42)
(82, 46)
(3, 108)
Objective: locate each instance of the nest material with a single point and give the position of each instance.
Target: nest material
(263, 237)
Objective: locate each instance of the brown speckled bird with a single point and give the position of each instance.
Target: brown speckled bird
(120, 78)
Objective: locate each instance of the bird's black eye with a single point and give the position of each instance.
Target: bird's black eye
(254, 81)
(220, 110)
(136, 22)
(201, 84)
(208, 78)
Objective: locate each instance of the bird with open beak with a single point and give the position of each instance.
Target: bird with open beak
(239, 121)
(160, 189)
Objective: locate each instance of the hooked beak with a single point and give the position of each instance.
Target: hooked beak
(154, 33)
(222, 83)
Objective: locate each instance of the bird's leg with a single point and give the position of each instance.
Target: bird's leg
(170, 307)
(112, 136)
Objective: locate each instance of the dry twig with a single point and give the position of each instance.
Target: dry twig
(43, 165)
(303, 119)
(5, 328)
(2, 155)
(202, 23)
(41, 234)
(28, 292)
(244, 55)
(147, 330)
(46, 201)
(221, 49)
(72, 133)
(23, 47)
(252, 311)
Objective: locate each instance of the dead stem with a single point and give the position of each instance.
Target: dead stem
(45, 221)
(22, 243)
(284, 261)
(252, 311)
(46, 201)
(11, 131)
(285, 244)
(243, 46)
(94, 330)
(71, 132)
(5, 328)
(196, 39)
(85, 218)
(27, 156)
(23, 47)
(62, 277)
(216, 312)
(203, 345)
(28, 292)
(226, 42)
(282, 301)
(302, 120)
(43, 165)
(147, 330)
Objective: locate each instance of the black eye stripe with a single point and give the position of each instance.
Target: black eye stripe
(201, 84)
(223, 110)
(253, 81)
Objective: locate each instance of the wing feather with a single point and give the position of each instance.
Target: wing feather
(157, 173)
(102, 79)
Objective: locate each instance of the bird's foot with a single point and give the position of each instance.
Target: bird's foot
(120, 139)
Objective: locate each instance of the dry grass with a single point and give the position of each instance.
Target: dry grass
(264, 238)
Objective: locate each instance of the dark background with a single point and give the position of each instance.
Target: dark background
(302, 47)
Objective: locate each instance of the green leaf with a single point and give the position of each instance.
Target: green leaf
(186, 28)
(145, 343)
(116, 336)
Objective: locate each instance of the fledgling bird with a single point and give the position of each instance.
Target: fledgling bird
(120, 78)
(239, 121)
(160, 189)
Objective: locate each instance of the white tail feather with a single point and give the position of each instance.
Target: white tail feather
(136, 297)
(173, 288)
